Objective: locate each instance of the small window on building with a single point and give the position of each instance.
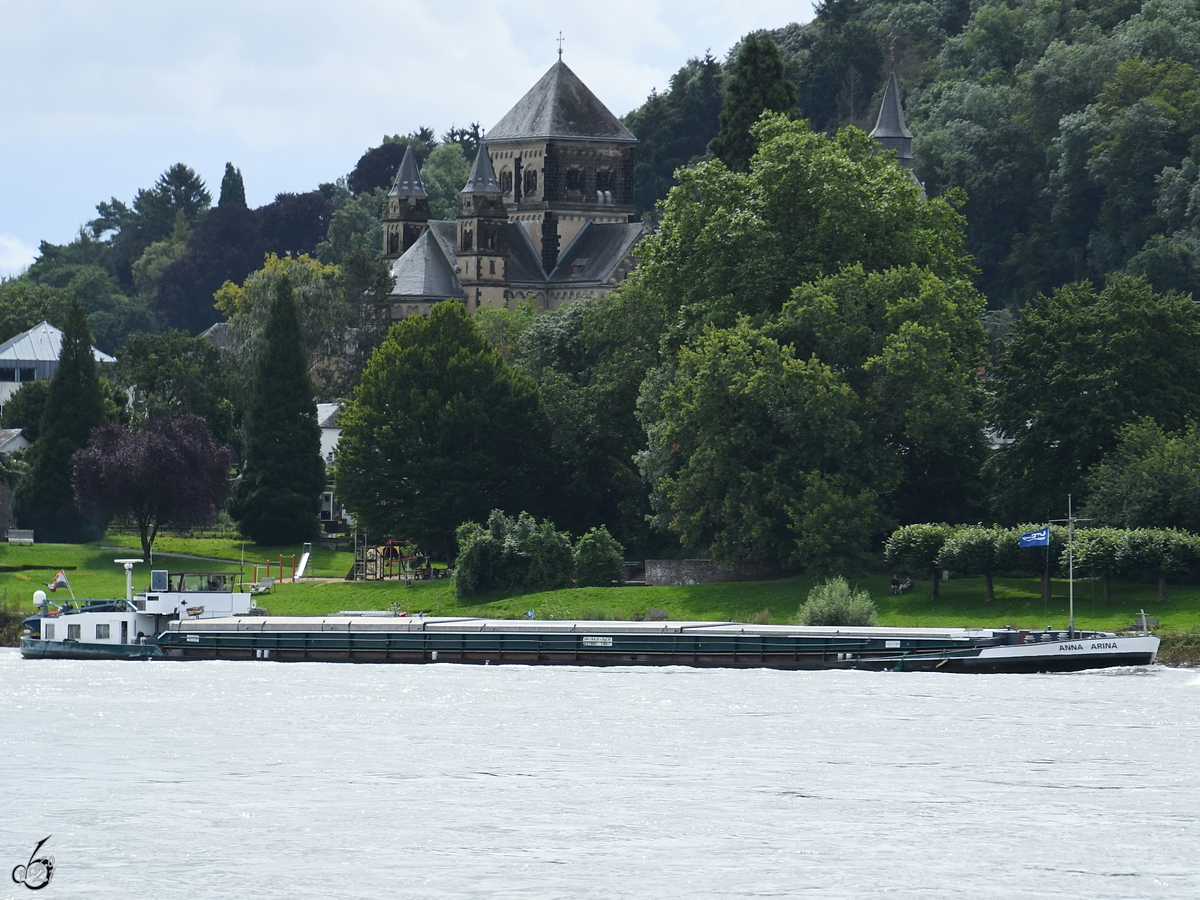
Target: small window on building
(574, 180)
(28, 375)
(49, 632)
(102, 632)
(72, 632)
(8, 374)
(506, 181)
(530, 181)
(491, 267)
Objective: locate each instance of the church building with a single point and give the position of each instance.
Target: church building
(546, 217)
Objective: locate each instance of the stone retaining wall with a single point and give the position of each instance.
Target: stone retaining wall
(704, 571)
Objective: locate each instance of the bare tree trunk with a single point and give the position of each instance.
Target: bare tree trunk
(990, 595)
(1107, 582)
(936, 579)
(1162, 587)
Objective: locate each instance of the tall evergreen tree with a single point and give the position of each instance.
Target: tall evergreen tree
(758, 84)
(233, 191)
(45, 498)
(279, 493)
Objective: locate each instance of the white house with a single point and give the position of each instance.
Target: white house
(33, 356)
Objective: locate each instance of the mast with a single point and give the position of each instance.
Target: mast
(1070, 520)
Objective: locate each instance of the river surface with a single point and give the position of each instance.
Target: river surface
(264, 780)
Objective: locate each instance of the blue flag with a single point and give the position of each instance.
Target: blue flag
(529, 613)
(1040, 538)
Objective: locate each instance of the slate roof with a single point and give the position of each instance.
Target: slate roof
(41, 343)
(483, 176)
(327, 414)
(560, 106)
(890, 123)
(425, 272)
(595, 252)
(408, 178)
(523, 265)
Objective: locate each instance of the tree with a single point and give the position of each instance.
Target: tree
(756, 85)
(170, 475)
(439, 431)
(916, 548)
(45, 498)
(295, 224)
(172, 374)
(599, 559)
(444, 174)
(977, 550)
(325, 317)
(1098, 551)
(24, 303)
(233, 191)
(1151, 479)
(511, 554)
(279, 492)
(1164, 552)
(25, 408)
(1079, 366)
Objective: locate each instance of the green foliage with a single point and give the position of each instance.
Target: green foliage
(26, 407)
(1081, 365)
(834, 604)
(756, 85)
(915, 548)
(444, 173)
(512, 555)
(599, 559)
(674, 128)
(324, 314)
(504, 327)
(977, 550)
(439, 431)
(45, 499)
(233, 190)
(172, 374)
(1151, 479)
(25, 303)
(356, 225)
(279, 492)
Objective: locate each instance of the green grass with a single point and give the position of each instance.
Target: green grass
(1018, 601)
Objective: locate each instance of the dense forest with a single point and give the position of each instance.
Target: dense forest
(814, 350)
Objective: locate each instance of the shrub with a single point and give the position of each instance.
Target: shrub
(511, 554)
(834, 603)
(599, 559)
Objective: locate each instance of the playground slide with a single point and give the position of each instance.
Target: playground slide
(303, 566)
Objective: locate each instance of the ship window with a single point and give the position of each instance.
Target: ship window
(102, 632)
(72, 632)
(49, 630)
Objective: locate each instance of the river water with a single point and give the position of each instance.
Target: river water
(299, 780)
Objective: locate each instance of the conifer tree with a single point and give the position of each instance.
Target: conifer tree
(279, 493)
(233, 191)
(45, 497)
(758, 84)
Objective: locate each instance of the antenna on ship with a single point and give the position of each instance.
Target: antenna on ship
(1070, 520)
(129, 564)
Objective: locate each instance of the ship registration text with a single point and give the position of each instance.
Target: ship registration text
(1099, 645)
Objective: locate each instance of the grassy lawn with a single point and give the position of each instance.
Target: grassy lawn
(92, 573)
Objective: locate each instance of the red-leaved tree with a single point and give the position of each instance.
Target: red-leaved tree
(172, 474)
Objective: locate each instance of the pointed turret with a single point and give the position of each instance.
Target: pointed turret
(408, 180)
(408, 210)
(483, 176)
(890, 130)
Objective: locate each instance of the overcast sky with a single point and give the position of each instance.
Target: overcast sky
(97, 99)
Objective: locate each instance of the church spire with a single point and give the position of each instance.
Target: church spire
(483, 176)
(890, 130)
(408, 179)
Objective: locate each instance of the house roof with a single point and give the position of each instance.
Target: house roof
(483, 176)
(425, 272)
(41, 343)
(595, 252)
(560, 106)
(408, 178)
(890, 123)
(327, 414)
(12, 439)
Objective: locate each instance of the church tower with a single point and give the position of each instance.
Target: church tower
(890, 130)
(408, 211)
(482, 243)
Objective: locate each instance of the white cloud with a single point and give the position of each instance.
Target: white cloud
(98, 99)
(15, 255)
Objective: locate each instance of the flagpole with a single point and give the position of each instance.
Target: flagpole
(1071, 570)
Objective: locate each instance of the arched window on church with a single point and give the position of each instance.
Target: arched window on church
(491, 267)
(468, 239)
(530, 182)
(574, 184)
(393, 241)
(506, 178)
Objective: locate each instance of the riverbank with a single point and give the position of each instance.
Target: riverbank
(1018, 602)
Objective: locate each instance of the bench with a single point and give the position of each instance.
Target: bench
(20, 536)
